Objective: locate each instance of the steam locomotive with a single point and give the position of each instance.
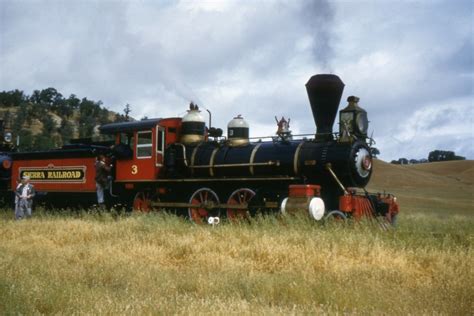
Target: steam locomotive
(179, 163)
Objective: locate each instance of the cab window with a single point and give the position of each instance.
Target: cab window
(160, 141)
(125, 146)
(144, 144)
(126, 139)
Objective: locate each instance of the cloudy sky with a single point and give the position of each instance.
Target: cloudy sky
(410, 62)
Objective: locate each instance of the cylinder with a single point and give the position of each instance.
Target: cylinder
(314, 206)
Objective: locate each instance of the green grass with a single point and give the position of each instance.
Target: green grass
(108, 264)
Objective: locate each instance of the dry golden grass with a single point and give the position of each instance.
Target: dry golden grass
(158, 264)
(441, 188)
(161, 264)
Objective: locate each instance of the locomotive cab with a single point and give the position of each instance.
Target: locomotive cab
(140, 147)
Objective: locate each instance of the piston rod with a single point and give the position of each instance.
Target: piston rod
(329, 168)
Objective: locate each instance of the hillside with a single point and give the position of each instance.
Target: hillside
(36, 126)
(45, 119)
(442, 187)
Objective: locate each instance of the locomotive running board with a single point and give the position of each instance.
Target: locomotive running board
(206, 206)
(210, 206)
(233, 165)
(211, 179)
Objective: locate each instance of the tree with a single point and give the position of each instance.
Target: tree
(65, 110)
(87, 107)
(41, 104)
(38, 111)
(35, 97)
(43, 142)
(7, 117)
(73, 101)
(20, 119)
(49, 125)
(103, 116)
(26, 140)
(127, 111)
(49, 96)
(403, 161)
(443, 155)
(48, 137)
(67, 131)
(12, 98)
(119, 118)
(86, 127)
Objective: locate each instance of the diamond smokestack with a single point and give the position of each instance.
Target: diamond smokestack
(324, 93)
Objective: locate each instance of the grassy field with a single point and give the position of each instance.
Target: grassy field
(159, 264)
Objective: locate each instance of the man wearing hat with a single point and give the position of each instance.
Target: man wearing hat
(102, 171)
(25, 193)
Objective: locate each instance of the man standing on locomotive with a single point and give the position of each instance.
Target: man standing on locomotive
(102, 171)
(24, 195)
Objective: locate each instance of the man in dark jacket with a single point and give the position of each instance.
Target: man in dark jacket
(102, 171)
(25, 192)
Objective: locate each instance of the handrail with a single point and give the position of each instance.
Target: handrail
(184, 154)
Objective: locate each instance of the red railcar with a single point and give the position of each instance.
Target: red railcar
(63, 173)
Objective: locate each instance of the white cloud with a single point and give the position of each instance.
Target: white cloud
(410, 62)
(444, 125)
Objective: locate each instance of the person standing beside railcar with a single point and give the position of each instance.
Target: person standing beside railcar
(17, 199)
(102, 171)
(24, 195)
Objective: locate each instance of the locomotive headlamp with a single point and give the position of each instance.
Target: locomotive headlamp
(353, 120)
(8, 137)
(362, 122)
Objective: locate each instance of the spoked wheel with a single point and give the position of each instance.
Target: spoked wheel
(205, 199)
(239, 197)
(142, 202)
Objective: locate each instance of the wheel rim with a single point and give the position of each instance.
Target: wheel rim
(204, 198)
(239, 197)
(142, 202)
(336, 216)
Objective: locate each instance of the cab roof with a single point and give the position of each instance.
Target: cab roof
(124, 127)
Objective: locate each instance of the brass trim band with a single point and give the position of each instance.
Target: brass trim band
(296, 158)
(193, 156)
(211, 162)
(252, 158)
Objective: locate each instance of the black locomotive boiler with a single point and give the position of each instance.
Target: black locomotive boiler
(268, 167)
